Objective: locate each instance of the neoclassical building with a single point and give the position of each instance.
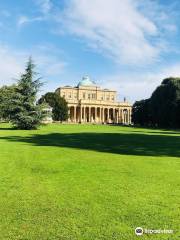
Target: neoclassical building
(88, 103)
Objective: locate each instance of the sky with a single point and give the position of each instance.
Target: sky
(125, 45)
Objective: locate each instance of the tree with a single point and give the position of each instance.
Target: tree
(177, 119)
(58, 104)
(25, 114)
(7, 94)
(164, 103)
(140, 113)
(162, 109)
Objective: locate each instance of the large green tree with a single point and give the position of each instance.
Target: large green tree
(25, 113)
(162, 109)
(7, 94)
(140, 113)
(58, 104)
(164, 103)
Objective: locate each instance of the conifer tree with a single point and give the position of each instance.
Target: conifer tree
(26, 114)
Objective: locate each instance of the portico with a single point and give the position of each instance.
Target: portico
(99, 114)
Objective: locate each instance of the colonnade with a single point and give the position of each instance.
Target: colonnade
(90, 114)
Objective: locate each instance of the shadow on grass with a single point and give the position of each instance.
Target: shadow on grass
(164, 132)
(118, 143)
(151, 130)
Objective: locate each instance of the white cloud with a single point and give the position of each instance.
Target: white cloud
(12, 63)
(49, 60)
(117, 28)
(45, 7)
(49, 65)
(137, 86)
(22, 20)
(25, 20)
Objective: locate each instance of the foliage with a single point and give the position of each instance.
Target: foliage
(58, 104)
(163, 107)
(7, 94)
(140, 112)
(25, 114)
(164, 103)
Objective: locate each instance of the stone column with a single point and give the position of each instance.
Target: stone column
(117, 115)
(89, 114)
(81, 113)
(95, 113)
(84, 114)
(122, 112)
(100, 115)
(124, 117)
(69, 116)
(129, 116)
(114, 115)
(108, 115)
(74, 113)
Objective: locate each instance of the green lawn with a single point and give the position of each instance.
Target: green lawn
(82, 182)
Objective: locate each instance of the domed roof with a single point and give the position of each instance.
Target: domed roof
(86, 81)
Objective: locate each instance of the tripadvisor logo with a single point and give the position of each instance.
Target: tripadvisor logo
(139, 231)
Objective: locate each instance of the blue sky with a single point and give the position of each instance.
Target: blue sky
(126, 45)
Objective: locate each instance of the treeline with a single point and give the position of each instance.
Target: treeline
(162, 109)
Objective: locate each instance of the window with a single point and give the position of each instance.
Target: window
(112, 98)
(84, 95)
(93, 96)
(89, 96)
(69, 95)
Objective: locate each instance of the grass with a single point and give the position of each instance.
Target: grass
(83, 182)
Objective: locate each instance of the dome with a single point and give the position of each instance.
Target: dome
(86, 81)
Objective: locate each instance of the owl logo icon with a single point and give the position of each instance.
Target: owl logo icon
(139, 231)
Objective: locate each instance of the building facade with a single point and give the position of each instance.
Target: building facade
(89, 103)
